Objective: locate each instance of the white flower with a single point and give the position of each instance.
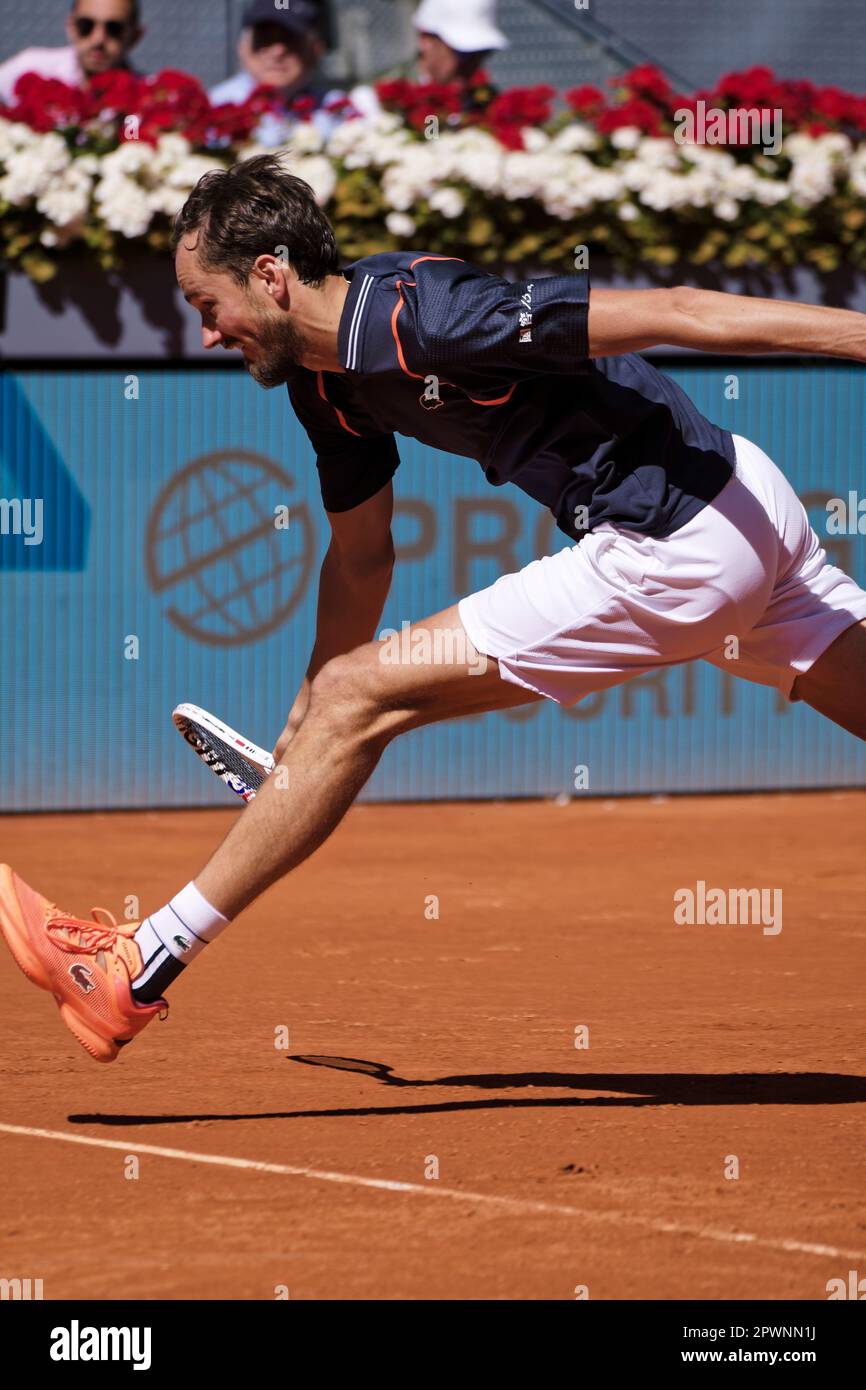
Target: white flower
(812, 180)
(728, 209)
(628, 137)
(834, 143)
(166, 199)
(666, 191)
(655, 150)
(603, 185)
(67, 199)
(534, 140)
(627, 212)
(398, 192)
(576, 136)
(448, 201)
(857, 171)
(31, 171)
(132, 157)
(7, 140)
(306, 138)
(171, 148)
(319, 173)
(187, 173)
(399, 224)
(124, 206)
(522, 175)
(14, 135)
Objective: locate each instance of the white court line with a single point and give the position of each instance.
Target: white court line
(482, 1199)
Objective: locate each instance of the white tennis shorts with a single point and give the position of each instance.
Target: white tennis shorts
(618, 604)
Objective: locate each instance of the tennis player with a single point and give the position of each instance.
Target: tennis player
(678, 535)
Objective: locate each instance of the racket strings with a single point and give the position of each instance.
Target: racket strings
(221, 756)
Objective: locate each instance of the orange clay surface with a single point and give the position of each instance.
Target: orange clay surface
(603, 1167)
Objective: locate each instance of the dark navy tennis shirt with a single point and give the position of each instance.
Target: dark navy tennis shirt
(444, 352)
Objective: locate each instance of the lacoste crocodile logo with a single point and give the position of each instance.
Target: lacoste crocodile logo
(83, 977)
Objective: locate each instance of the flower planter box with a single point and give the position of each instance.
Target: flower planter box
(139, 313)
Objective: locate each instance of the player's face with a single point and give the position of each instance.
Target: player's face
(242, 318)
(102, 32)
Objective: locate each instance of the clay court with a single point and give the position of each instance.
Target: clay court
(557, 1168)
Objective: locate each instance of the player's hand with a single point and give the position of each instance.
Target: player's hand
(294, 721)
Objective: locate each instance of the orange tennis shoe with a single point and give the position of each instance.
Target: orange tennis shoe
(87, 966)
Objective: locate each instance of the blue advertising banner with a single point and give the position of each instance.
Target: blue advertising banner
(140, 566)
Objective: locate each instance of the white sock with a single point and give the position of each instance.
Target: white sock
(172, 937)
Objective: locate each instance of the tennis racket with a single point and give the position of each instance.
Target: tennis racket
(242, 765)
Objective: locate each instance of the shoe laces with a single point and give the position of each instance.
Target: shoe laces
(74, 934)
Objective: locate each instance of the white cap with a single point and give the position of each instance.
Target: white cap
(467, 26)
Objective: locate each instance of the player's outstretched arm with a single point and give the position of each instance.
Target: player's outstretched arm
(628, 320)
(353, 586)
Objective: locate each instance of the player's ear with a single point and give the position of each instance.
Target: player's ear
(272, 272)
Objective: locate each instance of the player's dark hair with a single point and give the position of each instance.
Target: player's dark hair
(252, 209)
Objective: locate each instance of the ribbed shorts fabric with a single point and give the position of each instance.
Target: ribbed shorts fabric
(748, 567)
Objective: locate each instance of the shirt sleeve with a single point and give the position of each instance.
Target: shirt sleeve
(469, 324)
(351, 467)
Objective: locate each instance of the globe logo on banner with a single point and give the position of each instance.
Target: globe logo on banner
(229, 547)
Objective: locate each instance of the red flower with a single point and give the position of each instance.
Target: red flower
(635, 112)
(508, 135)
(223, 126)
(115, 91)
(437, 96)
(645, 81)
(586, 100)
(522, 106)
(303, 107)
(262, 100)
(796, 100)
(339, 106)
(44, 103)
(831, 104)
(755, 87)
(171, 86)
(397, 94)
(176, 92)
(155, 123)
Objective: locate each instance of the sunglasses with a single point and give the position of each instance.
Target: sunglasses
(114, 28)
(269, 35)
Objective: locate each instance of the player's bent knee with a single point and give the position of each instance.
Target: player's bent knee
(347, 690)
(359, 695)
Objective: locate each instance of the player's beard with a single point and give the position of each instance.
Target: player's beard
(281, 348)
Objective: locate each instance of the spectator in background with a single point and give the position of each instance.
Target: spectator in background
(101, 35)
(456, 38)
(281, 48)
